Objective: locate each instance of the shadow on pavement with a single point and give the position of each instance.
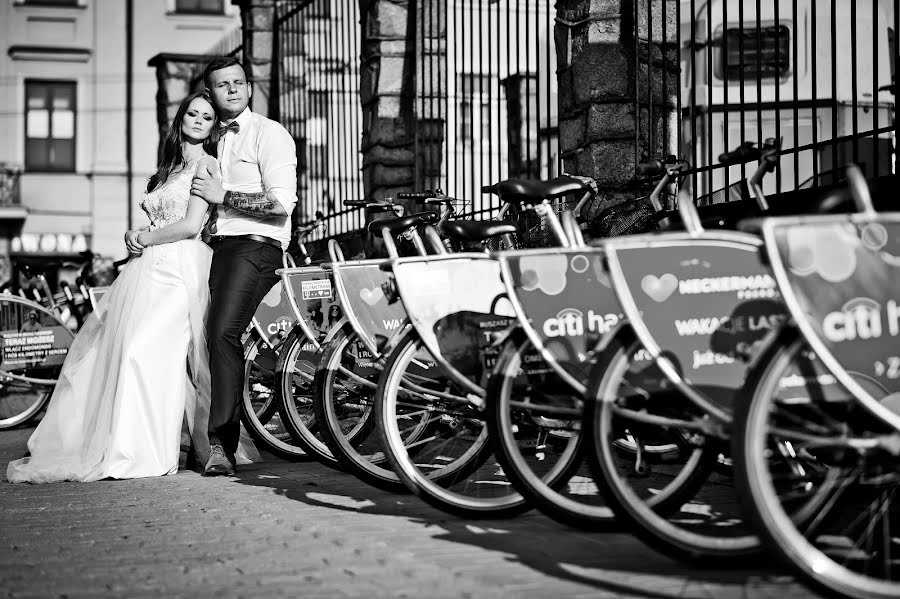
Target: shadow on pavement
(601, 560)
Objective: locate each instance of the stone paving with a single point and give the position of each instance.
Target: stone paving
(303, 530)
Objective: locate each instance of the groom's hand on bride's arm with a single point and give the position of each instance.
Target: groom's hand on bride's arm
(208, 187)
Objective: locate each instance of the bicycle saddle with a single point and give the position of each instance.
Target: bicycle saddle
(401, 223)
(474, 230)
(528, 191)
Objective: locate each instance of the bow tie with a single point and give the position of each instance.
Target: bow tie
(232, 126)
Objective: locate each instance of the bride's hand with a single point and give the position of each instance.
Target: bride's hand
(131, 243)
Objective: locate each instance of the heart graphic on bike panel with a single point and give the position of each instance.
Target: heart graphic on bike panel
(659, 288)
(371, 296)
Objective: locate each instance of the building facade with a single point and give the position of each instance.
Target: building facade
(78, 131)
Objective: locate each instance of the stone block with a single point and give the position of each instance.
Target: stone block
(261, 18)
(389, 176)
(386, 131)
(261, 42)
(572, 132)
(611, 163)
(610, 121)
(379, 154)
(176, 89)
(657, 20)
(579, 10)
(394, 48)
(368, 76)
(650, 85)
(387, 107)
(181, 70)
(604, 31)
(388, 19)
(601, 73)
(567, 96)
(562, 40)
(391, 75)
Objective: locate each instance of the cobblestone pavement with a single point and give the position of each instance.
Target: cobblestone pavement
(303, 530)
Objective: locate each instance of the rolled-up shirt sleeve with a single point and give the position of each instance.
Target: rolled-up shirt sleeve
(278, 165)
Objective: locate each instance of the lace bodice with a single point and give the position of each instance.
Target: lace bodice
(168, 203)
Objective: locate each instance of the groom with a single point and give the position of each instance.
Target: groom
(250, 227)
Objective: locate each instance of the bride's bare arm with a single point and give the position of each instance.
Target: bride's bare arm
(185, 228)
(192, 222)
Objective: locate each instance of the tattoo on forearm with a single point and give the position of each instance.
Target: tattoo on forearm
(255, 204)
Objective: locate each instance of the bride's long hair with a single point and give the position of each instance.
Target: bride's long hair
(171, 152)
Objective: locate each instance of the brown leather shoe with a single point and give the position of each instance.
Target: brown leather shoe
(219, 463)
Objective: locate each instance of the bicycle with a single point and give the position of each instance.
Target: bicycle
(450, 465)
(266, 335)
(327, 356)
(821, 426)
(700, 305)
(565, 308)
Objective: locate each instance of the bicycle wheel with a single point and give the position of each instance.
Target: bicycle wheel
(535, 421)
(295, 374)
(260, 403)
(451, 465)
(345, 395)
(820, 476)
(671, 500)
(31, 356)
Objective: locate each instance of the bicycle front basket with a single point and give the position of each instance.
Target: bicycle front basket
(626, 218)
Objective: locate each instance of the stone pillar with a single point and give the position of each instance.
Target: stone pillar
(175, 79)
(387, 96)
(609, 86)
(258, 24)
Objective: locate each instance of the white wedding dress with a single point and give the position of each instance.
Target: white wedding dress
(137, 368)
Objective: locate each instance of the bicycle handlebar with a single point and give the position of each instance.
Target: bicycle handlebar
(416, 195)
(446, 201)
(745, 152)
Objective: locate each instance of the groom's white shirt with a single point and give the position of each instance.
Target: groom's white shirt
(261, 156)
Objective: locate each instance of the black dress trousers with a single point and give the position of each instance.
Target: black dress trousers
(241, 274)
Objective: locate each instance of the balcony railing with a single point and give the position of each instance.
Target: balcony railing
(10, 194)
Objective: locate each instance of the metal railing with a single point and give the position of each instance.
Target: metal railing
(818, 75)
(316, 79)
(486, 95)
(815, 75)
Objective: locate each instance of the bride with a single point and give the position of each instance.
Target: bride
(139, 365)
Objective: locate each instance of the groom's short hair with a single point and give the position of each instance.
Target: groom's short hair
(223, 62)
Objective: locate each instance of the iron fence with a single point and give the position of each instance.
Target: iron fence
(317, 45)
(814, 75)
(486, 96)
(817, 75)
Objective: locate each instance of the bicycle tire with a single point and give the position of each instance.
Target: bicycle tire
(372, 467)
(296, 386)
(260, 405)
(542, 489)
(26, 385)
(653, 516)
(443, 472)
(812, 553)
